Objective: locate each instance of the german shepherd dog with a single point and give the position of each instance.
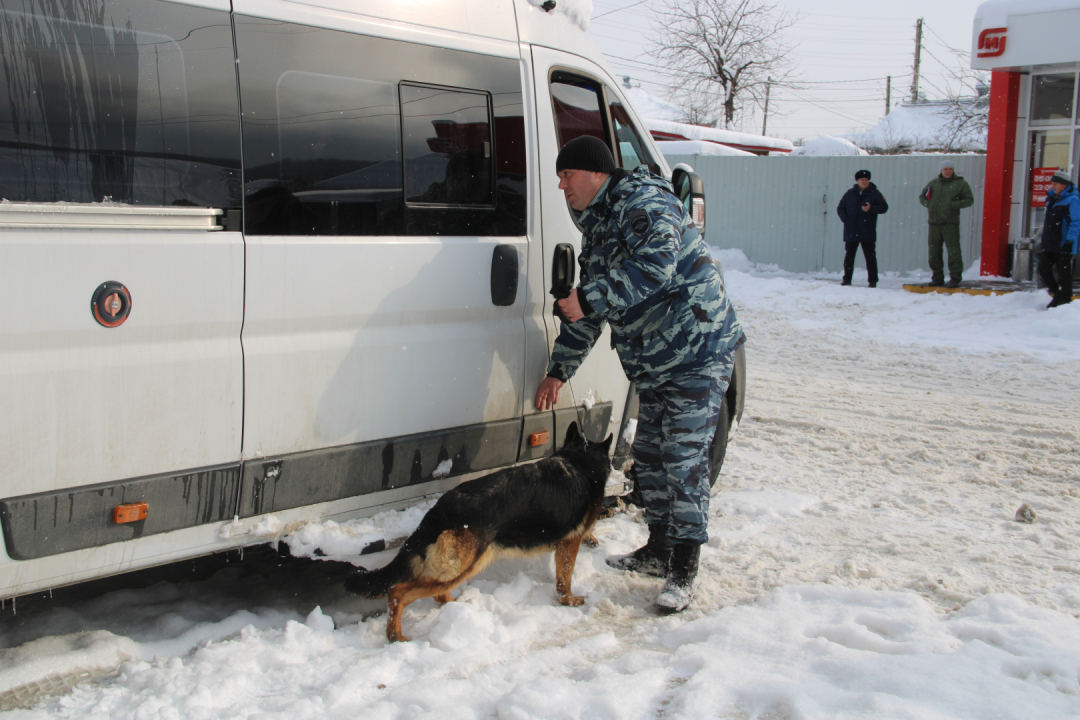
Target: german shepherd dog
(549, 505)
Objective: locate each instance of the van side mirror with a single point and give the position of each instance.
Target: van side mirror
(691, 193)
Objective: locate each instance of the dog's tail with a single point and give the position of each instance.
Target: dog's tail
(375, 583)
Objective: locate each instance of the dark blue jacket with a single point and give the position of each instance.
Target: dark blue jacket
(1061, 224)
(861, 226)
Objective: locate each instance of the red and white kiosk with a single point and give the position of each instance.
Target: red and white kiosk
(1032, 48)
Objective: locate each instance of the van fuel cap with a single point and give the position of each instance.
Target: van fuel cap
(111, 304)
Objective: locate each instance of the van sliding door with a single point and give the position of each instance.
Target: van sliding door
(385, 226)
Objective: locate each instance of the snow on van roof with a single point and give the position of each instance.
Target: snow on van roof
(577, 11)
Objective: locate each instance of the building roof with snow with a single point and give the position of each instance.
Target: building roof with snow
(921, 127)
(662, 119)
(828, 146)
(698, 147)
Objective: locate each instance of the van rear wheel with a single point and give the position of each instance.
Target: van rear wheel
(719, 444)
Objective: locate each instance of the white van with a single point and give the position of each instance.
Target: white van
(273, 261)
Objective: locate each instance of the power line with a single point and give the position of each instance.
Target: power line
(641, 2)
(943, 42)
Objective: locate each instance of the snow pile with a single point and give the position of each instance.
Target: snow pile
(864, 558)
(826, 146)
(345, 541)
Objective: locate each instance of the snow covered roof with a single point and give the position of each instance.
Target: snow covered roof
(668, 130)
(662, 120)
(698, 147)
(828, 146)
(649, 106)
(918, 126)
(997, 12)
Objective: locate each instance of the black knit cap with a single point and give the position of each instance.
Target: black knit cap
(585, 153)
(862, 174)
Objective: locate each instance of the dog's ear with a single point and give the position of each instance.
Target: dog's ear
(606, 445)
(573, 436)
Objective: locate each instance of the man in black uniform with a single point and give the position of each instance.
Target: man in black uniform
(858, 210)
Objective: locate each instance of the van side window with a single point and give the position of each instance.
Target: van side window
(578, 106)
(132, 101)
(446, 134)
(322, 146)
(324, 112)
(631, 149)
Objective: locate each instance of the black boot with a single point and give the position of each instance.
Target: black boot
(652, 559)
(682, 580)
(1060, 300)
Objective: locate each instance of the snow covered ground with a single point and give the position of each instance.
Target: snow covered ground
(865, 560)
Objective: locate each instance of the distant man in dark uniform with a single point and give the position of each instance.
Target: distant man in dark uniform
(944, 197)
(858, 210)
(647, 273)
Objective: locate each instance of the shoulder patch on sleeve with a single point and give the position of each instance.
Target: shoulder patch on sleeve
(639, 221)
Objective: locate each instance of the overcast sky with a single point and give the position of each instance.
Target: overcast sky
(844, 51)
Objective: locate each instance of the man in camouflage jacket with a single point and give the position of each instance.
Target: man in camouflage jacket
(646, 272)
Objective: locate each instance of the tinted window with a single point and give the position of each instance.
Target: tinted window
(1052, 99)
(631, 148)
(446, 135)
(578, 106)
(129, 100)
(323, 145)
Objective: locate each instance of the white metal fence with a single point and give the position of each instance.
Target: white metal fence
(782, 210)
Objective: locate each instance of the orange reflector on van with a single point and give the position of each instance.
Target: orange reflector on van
(539, 438)
(130, 512)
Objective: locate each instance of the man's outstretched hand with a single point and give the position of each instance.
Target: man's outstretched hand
(548, 394)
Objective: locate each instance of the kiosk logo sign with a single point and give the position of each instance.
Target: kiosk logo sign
(991, 42)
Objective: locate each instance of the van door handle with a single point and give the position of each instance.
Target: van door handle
(504, 275)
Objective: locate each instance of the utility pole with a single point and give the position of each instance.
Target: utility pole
(888, 93)
(918, 57)
(765, 121)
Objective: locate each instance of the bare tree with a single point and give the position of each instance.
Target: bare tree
(722, 53)
(967, 106)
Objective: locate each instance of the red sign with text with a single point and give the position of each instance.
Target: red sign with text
(1040, 183)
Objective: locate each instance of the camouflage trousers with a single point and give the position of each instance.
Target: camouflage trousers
(676, 423)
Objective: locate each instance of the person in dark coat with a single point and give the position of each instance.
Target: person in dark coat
(858, 210)
(1060, 236)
